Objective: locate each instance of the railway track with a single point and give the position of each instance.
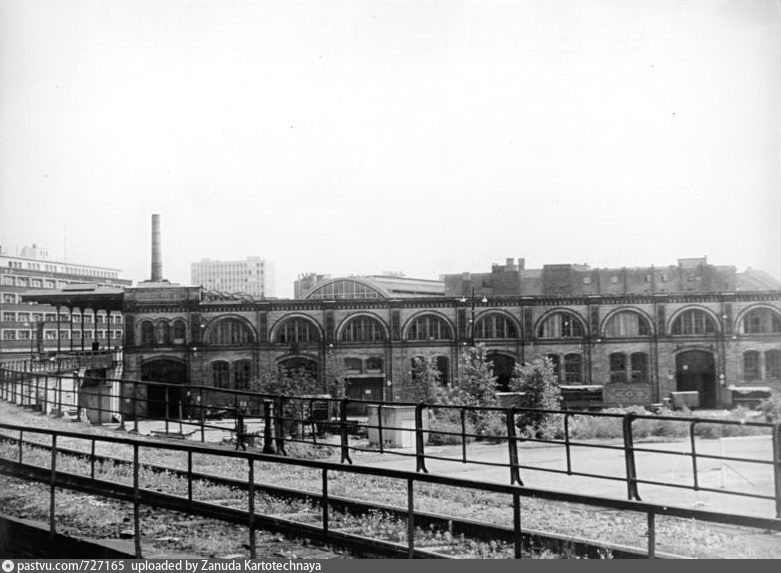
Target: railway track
(443, 525)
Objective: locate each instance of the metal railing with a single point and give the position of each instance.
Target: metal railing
(18, 466)
(324, 421)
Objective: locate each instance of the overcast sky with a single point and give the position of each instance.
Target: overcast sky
(415, 136)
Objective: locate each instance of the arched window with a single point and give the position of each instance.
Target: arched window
(297, 330)
(751, 369)
(773, 364)
(573, 368)
(229, 331)
(180, 332)
(627, 323)
(495, 325)
(618, 367)
(363, 329)
(694, 321)
(639, 367)
(220, 374)
(147, 333)
(164, 333)
(761, 321)
(242, 371)
(561, 325)
(429, 327)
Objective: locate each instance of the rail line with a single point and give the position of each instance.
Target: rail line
(326, 531)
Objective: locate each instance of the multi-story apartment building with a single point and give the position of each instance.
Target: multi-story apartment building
(30, 329)
(253, 276)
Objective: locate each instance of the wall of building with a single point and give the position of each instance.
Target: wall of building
(727, 344)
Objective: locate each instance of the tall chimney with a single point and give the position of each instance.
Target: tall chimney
(157, 259)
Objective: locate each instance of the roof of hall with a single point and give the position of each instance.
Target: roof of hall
(385, 286)
(79, 296)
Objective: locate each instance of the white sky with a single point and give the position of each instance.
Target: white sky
(417, 136)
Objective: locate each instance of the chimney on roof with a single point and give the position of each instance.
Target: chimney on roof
(157, 260)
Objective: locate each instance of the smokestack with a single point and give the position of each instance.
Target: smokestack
(157, 259)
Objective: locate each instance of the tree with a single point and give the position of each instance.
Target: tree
(475, 385)
(427, 379)
(538, 381)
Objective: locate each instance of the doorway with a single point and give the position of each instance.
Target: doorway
(503, 367)
(695, 371)
(170, 372)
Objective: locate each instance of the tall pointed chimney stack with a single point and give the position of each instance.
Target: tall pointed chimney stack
(157, 260)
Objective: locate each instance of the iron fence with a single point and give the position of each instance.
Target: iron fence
(323, 421)
(56, 478)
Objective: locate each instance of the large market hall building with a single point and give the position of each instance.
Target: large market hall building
(638, 333)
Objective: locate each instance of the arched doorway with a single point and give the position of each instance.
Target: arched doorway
(168, 371)
(504, 367)
(695, 371)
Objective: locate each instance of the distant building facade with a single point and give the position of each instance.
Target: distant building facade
(30, 329)
(711, 328)
(253, 276)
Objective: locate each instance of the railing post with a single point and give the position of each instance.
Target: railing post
(420, 454)
(379, 426)
(21, 439)
(201, 416)
(566, 444)
(694, 455)
(410, 518)
(46, 395)
(122, 398)
(777, 465)
(136, 509)
(189, 475)
(517, 525)
(59, 396)
(53, 480)
(279, 426)
(268, 443)
(651, 535)
(629, 457)
(512, 446)
(166, 408)
(92, 460)
(343, 431)
(251, 501)
(325, 501)
(135, 408)
(463, 435)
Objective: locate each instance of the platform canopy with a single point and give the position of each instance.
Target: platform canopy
(80, 296)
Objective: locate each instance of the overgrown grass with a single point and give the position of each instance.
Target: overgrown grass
(586, 427)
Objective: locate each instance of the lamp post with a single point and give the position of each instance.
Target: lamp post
(472, 299)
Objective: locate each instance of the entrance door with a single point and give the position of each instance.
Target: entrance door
(503, 370)
(695, 372)
(362, 389)
(164, 370)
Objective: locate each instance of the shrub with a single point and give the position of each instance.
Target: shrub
(453, 429)
(771, 408)
(538, 382)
